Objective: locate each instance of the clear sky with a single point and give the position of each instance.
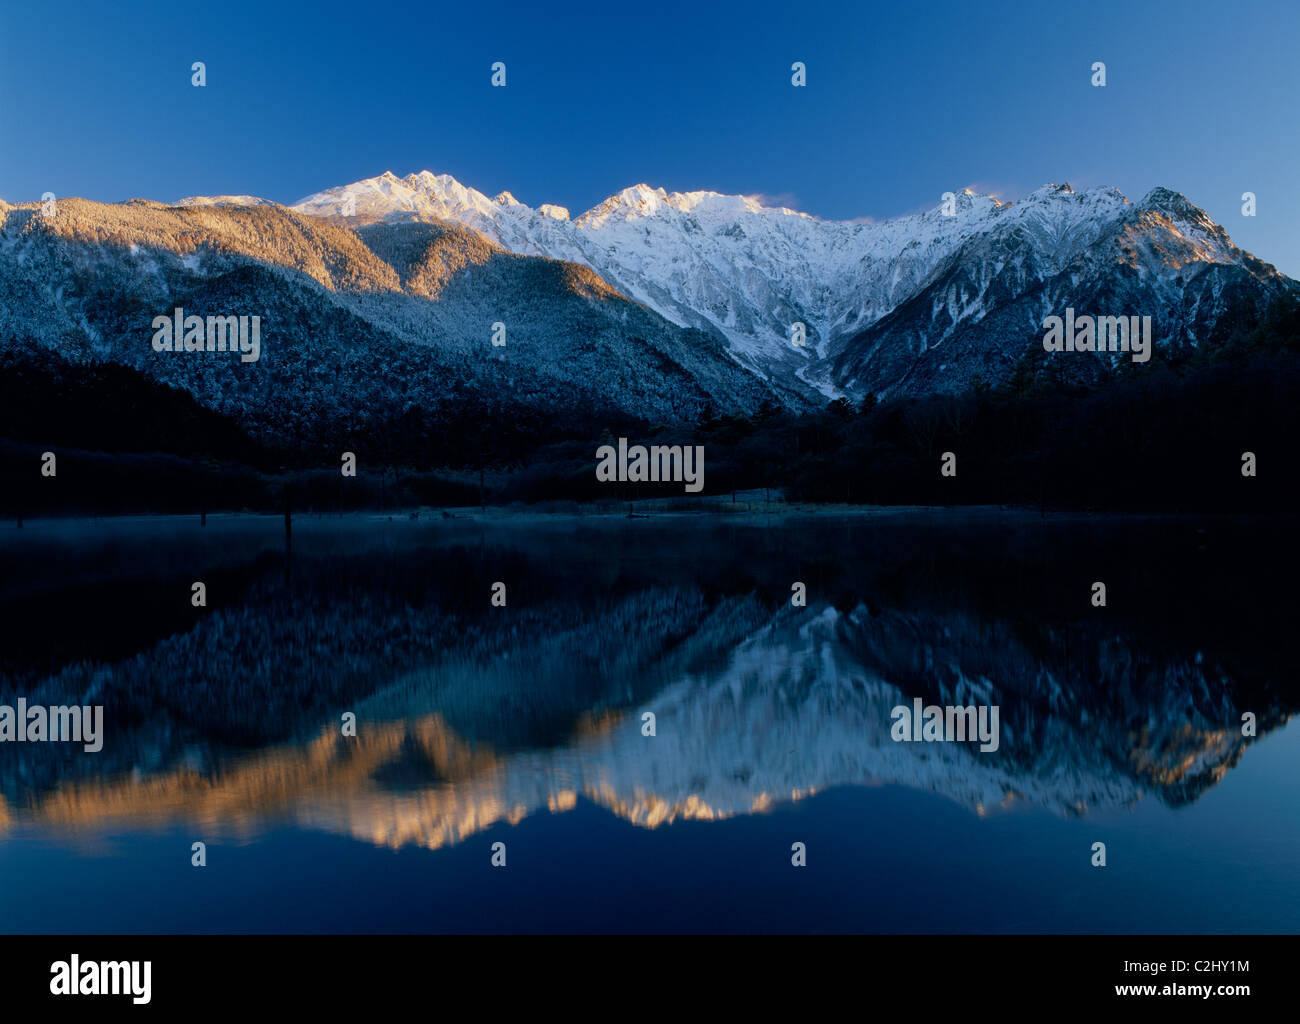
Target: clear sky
(904, 101)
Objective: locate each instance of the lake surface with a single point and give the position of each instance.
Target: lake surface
(523, 724)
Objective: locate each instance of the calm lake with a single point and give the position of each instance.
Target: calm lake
(524, 724)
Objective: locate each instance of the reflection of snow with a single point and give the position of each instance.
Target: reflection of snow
(800, 703)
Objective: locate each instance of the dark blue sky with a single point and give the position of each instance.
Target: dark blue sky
(903, 102)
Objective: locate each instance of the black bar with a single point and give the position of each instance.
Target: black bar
(605, 975)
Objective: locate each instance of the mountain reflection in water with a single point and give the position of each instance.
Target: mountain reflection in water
(469, 716)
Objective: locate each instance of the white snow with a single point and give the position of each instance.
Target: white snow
(726, 262)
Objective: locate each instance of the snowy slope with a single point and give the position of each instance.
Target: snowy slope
(699, 258)
(707, 260)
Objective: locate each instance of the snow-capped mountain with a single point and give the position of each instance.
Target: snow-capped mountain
(377, 335)
(699, 258)
(981, 310)
(884, 304)
(378, 300)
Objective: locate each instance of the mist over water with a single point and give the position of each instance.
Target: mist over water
(523, 724)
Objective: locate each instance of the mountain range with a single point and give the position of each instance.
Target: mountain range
(913, 305)
(380, 301)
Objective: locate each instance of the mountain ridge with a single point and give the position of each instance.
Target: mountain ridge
(751, 272)
(651, 306)
(374, 338)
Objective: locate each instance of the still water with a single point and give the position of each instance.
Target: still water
(524, 724)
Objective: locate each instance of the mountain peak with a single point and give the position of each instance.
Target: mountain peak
(636, 201)
(1051, 191)
(1169, 201)
(967, 200)
(223, 201)
(641, 198)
